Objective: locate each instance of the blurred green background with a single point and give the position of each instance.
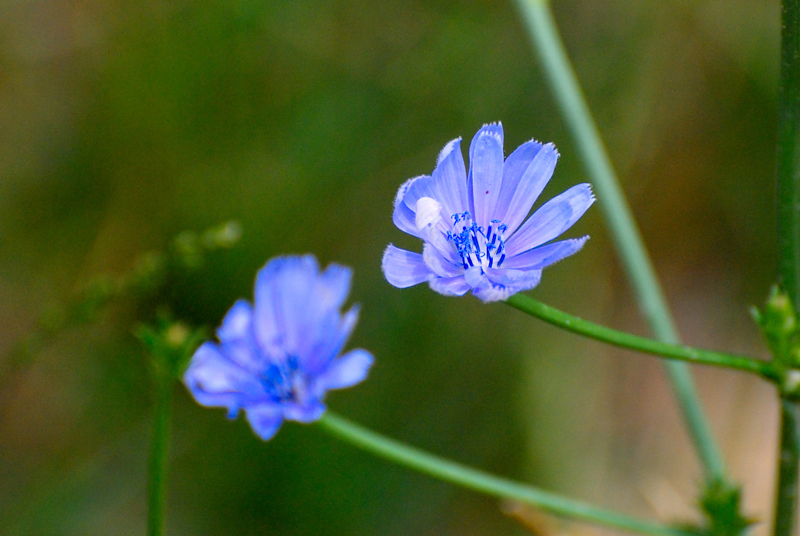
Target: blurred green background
(123, 123)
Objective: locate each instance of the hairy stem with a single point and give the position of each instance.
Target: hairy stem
(621, 339)
(624, 232)
(476, 480)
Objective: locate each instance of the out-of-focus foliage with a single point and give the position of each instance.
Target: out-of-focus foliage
(125, 123)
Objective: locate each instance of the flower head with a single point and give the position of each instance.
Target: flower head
(472, 224)
(277, 358)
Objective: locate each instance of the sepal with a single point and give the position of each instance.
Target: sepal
(170, 345)
(721, 504)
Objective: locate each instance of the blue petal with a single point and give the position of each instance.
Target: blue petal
(501, 284)
(403, 268)
(490, 292)
(438, 264)
(447, 185)
(449, 286)
(474, 276)
(525, 174)
(265, 419)
(306, 412)
(330, 342)
(543, 256)
(236, 338)
(485, 172)
(331, 289)
(517, 279)
(286, 310)
(344, 328)
(552, 219)
(436, 232)
(450, 179)
(323, 315)
(427, 187)
(418, 188)
(237, 323)
(346, 371)
(215, 380)
(403, 216)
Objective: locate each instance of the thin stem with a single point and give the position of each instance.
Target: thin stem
(788, 170)
(157, 485)
(788, 178)
(624, 232)
(476, 480)
(621, 339)
(786, 497)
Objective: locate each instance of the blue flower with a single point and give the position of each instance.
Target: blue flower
(277, 358)
(472, 225)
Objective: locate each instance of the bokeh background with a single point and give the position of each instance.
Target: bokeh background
(123, 123)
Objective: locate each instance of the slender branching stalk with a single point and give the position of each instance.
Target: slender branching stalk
(626, 237)
(621, 339)
(482, 482)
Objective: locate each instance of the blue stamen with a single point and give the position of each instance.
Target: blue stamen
(473, 250)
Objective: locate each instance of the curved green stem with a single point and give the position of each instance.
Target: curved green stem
(624, 232)
(157, 484)
(467, 477)
(621, 339)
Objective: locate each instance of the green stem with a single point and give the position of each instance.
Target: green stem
(577, 325)
(788, 170)
(788, 179)
(786, 497)
(157, 485)
(624, 232)
(467, 477)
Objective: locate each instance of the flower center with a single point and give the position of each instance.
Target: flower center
(478, 246)
(283, 382)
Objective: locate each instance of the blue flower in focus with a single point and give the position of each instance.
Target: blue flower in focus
(277, 358)
(472, 224)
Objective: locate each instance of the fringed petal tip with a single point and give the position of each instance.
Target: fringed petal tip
(494, 125)
(549, 146)
(494, 130)
(401, 192)
(450, 147)
(588, 185)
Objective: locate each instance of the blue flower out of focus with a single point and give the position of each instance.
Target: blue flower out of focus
(472, 224)
(277, 358)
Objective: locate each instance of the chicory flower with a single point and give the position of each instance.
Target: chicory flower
(473, 225)
(277, 358)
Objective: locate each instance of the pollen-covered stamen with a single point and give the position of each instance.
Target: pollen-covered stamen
(476, 246)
